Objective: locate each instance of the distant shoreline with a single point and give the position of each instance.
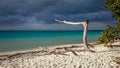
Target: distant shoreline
(50, 30)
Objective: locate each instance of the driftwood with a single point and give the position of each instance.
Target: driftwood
(85, 25)
(44, 51)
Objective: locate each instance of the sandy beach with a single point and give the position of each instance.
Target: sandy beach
(68, 56)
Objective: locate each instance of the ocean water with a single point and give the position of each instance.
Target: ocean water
(20, 40)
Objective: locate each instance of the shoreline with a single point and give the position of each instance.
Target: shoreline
(60, 57)
(40, 48)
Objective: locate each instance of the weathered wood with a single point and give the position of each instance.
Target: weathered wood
(85, 25)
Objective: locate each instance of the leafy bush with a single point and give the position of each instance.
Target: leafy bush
(118, 26)
(114, 6)
(109, 35)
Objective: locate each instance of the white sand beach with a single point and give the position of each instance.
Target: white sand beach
(68, 56)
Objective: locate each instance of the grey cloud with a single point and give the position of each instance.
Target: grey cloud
(24, 7)
(100, 16)
(20, 13)
(78, 6)
(10, 10)
(38, 26)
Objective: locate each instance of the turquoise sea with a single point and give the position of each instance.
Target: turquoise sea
(20, 40)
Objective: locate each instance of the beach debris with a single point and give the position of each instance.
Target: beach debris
(44, 51)
(117, 60)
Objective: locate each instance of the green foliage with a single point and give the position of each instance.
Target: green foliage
(118, 26)
(109, 35)
(114, 6)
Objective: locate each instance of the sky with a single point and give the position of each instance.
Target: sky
(40, 14)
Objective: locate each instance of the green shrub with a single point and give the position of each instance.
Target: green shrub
(109, 35)
(118, 26)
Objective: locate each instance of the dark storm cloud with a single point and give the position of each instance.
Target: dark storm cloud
(78, 6)
(21, 8)
(24, 7)
(20, 13)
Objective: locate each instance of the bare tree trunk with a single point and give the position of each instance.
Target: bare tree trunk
(85, 25)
